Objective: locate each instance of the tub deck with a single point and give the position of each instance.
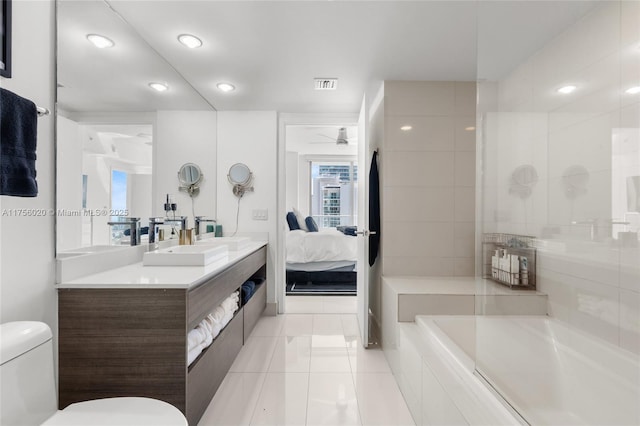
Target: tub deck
(547, 372)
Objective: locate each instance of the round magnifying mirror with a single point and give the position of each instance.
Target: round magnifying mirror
(522, 181)
(239, 174)
(189, 174)
(575, 179)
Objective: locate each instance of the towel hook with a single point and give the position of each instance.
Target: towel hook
(42, 111)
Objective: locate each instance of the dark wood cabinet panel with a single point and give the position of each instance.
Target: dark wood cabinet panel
(254, 308)
(117, 343)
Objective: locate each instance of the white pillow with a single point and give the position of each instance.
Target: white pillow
(301, 223)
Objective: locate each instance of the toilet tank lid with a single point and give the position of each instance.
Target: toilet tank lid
(17, 338)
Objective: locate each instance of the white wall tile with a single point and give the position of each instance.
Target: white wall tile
(465, 174)
(427, 172)
(416, 204)
(464, 239)
(428, 133)
(465, 140)
(418, 266)
(465, 98)
(429, 239)
(630, 321)
(419, 169)
(419, 98)
(630, 269)
(465, 209)
(464, 266)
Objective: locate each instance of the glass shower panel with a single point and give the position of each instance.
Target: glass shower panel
(556, 98)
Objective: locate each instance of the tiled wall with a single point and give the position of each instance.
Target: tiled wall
(581, 146)
(428, 185)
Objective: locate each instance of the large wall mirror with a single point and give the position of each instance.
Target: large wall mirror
(110, 122)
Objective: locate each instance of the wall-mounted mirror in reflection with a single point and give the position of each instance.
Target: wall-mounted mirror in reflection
(110, 125)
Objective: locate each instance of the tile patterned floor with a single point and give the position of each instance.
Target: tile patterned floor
(308, 369)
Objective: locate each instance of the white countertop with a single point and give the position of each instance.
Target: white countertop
(139, 276)
(451, 285)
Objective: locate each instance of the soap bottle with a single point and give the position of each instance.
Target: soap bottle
(515, 270)
(524, 270)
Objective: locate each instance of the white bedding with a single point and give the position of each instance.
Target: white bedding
(327, 245)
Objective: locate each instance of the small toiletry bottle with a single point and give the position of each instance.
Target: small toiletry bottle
(504, 267)
(515, 268)
(524, 270)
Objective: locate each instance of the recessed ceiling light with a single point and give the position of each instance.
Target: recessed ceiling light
(633, 90)
(226, 87)
(101, 42)
(565, 90)
(160, 87)
(191, 41)
(406, 128)
(470, 128)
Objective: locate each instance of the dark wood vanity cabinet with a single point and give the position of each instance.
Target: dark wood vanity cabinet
(133, 342)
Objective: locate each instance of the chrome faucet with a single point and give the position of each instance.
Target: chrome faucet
(134, 228)
(594, 225)
(198, 220)
(155, 221)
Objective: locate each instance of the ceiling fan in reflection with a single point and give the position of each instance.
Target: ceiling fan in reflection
(341, 139)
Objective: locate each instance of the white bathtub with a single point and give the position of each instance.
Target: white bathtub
(550, 374)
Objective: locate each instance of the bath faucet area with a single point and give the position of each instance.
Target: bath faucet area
(200, 219)
(154, 222)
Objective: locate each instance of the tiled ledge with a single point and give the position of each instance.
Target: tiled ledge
(405, 297)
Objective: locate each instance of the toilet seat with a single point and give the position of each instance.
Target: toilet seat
(125, 411)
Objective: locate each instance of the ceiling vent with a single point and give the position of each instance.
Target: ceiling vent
(325, 83)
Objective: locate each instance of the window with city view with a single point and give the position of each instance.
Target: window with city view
(334, 193)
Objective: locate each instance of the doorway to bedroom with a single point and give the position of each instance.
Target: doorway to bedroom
(321, 201)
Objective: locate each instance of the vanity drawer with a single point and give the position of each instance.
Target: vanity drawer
(207, 296)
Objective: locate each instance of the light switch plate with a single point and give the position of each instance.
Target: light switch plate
(260, 214)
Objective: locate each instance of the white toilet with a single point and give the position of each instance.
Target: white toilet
(28, 392)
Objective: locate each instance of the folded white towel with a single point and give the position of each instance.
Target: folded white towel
(227, 318)
(193, 354)
(217, 314)
(230, 305)
(210, 327)
(196, 336)
(217, 328)
(193, 339)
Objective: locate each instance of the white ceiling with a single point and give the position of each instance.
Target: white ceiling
(272, 50)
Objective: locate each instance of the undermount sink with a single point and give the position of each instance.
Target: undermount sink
(189, 255)
(234, 243)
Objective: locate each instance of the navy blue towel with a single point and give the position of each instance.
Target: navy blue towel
(247, 290)
(18, 136)
(374, 209)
